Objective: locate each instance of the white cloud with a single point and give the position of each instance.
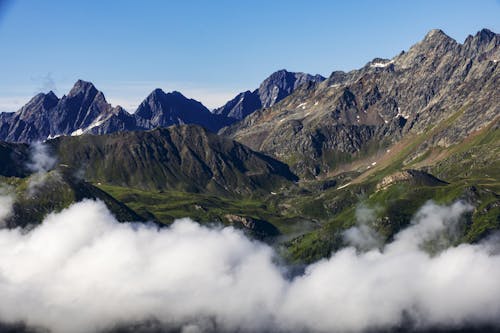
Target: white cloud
(83, 271)
(40, 163)
(40, 158)
(363, 236)
(45, 83)
(6, 204)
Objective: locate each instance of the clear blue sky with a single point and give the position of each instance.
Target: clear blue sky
(209, 50)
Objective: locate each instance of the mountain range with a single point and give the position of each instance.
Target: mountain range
(85, 110)
(297, 155)
(272, 90)
(436, 81)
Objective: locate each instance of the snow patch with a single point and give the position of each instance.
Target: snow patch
(77, 132)
(302, 105)
(381, 64)
(402, 114)
(343, 186)
(98, 122)
(50, 137)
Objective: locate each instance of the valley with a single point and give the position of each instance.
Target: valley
(295, 166)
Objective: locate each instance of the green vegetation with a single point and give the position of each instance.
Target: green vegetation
(41, 194)
(472, 169)
(311, 215)
(166, 206)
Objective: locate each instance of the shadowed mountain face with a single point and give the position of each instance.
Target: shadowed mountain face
(15, 158)
(436, 82)
(85, 110)
(184, 157)
(162, 109)
(276, 87)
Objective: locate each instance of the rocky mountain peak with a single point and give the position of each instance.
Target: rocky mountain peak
(436, 38)
(273, 89)
(482, 37)
(46, 99)
(485, 36)
(436, 34)
(39, 103)
(240, 106)
(279, 74)
(177, 94)
(484, 42)
(51, 96)
(155, 94)
(431, 49)
(160, 96)
(281, 84)
(162, 109)
(50, 100)
(82, 87)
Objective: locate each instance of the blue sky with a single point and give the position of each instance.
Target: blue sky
(208, 50)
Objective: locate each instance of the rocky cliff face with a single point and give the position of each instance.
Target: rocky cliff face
(241, 106)
(281, 84)
(437, 84)
(273, 89)
(32, 120)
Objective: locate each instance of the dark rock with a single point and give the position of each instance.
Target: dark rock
(259, 227)
(162, 109)
(273, 89)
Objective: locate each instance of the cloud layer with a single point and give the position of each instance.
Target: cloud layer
(82, 271)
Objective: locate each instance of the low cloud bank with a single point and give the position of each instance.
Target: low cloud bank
(40, 163)
(6, 204)
(82, 271)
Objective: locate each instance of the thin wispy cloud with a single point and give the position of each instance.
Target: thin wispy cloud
(45, 83)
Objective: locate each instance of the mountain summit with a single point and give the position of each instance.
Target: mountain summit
(381, 103)
(162, 109)
(273, 89)
(85, 110)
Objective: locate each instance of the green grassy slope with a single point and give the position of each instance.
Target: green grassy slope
(471, 168)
